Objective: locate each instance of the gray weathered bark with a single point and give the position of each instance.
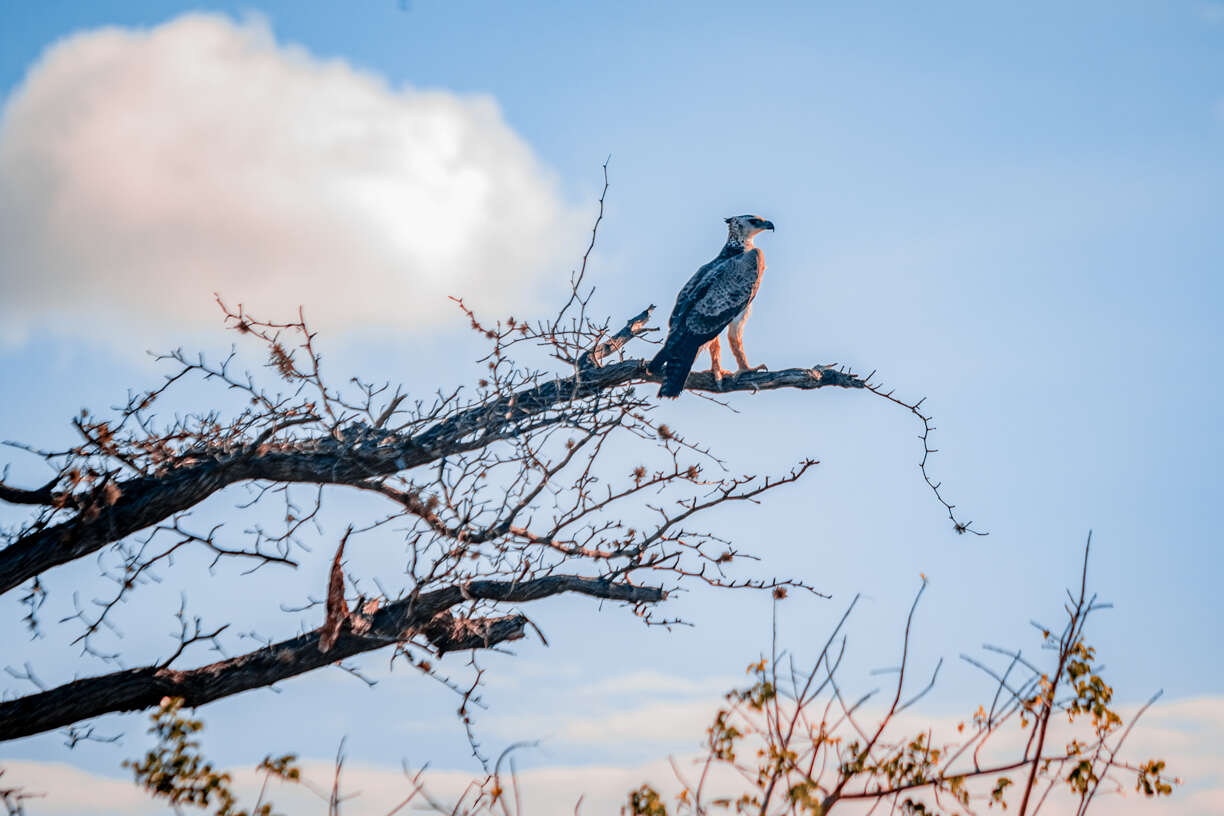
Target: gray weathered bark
(362, 453)
(140, 688)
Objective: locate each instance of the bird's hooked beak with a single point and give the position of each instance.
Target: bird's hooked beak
(767, 225)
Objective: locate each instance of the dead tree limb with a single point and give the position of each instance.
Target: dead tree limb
(398, 622)
(356, 453)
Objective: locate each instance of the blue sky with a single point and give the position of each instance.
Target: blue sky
(1012, 211)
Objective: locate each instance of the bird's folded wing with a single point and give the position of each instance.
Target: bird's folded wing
(732, 283)
(691, 291)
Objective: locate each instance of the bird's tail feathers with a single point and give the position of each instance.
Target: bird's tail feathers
(657, 363)
(676, 366)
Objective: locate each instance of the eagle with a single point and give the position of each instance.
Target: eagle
(719, 295)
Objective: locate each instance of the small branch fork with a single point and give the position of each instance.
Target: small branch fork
(14, 798)
(927, 450)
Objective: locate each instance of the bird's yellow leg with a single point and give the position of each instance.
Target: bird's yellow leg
(716, 361)
(735, 335)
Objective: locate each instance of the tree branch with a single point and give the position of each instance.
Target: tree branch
(396, 622)
(357, 453)
(635, 326)
(44, 495)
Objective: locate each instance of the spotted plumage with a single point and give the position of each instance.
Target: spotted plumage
(718, 296)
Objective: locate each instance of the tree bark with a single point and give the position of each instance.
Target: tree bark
(360, 452)
(426, 614)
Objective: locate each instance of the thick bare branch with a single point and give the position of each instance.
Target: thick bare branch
(357, 453)
(396, 622)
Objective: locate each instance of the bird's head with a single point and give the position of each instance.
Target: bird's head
(741, 228)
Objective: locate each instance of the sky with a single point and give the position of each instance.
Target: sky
(1012, 211)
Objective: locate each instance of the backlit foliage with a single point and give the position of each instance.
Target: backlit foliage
(800, 746)
(175, 769)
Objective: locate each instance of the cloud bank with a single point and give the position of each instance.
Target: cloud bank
(1188, 733)
(143, 170)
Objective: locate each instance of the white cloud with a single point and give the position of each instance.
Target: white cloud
(652, 682)
(63, 789)
(658, 723)
(662, 726)
(142, 170)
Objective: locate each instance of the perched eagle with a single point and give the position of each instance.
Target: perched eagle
(719, 295)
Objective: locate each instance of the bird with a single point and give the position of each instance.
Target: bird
(719, 295)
